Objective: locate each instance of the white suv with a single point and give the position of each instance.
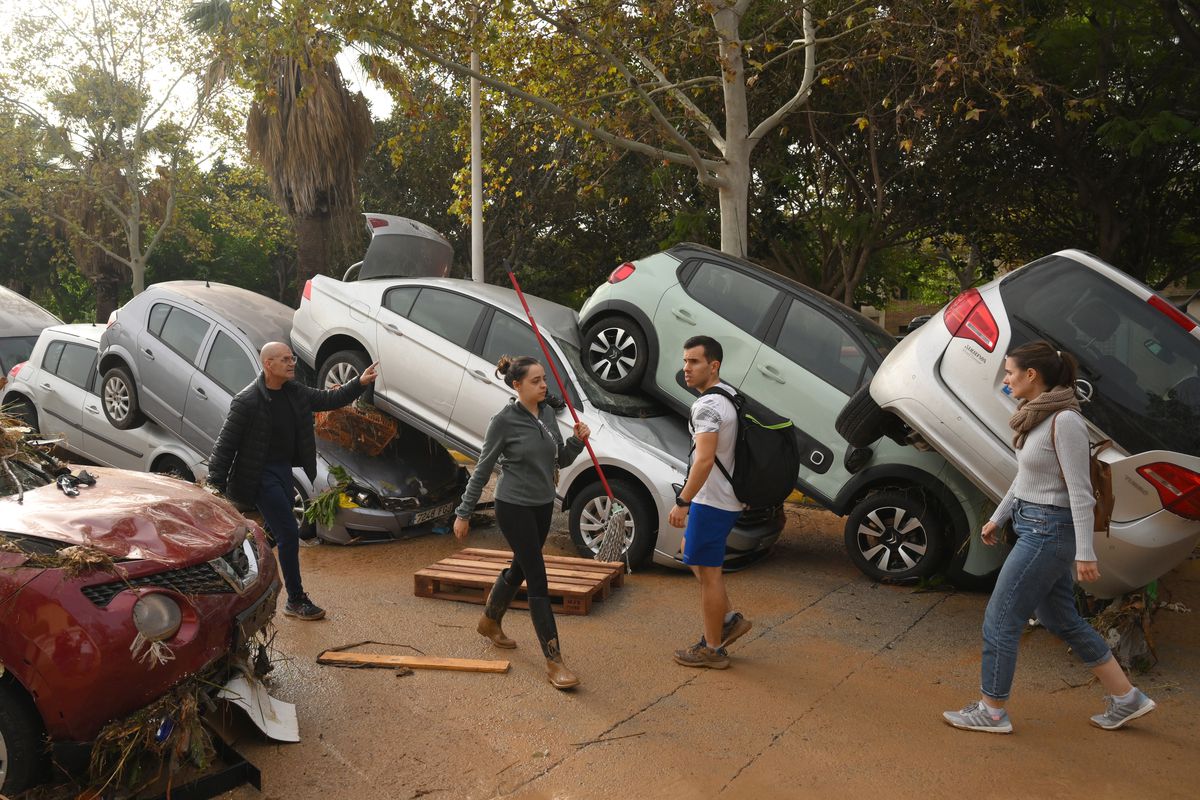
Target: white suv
(438, 340)
(1139, 385)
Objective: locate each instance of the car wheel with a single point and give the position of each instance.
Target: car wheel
(589, 514)
(300, 502)
(895, 535)
(174, 467)
(861, 420)
(21, 741)
(23, 409)
(341, 368)
(118, 396)
(616, 354)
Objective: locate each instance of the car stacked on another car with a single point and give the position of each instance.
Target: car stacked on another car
(438, 340)
(802, 355)
(21, 320)
(187, 574)
(1139, 385)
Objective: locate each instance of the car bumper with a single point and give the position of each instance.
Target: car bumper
(1132, 554)
(362, 525)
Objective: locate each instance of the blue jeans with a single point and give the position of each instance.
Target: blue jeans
(1037, 579)
(275, 493)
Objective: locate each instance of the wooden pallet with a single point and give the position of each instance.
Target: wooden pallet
(468, 576)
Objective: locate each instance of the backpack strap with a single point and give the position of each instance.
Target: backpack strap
(734, 400)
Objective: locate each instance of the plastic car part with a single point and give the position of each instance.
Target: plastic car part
(856, 458)
(68, 485)
(895, 535)
(1174, 314)
(968, 317)
(1178, 487)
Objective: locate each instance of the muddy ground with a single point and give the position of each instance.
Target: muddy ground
(838, 690)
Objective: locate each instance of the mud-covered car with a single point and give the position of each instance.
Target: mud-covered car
(110, 599)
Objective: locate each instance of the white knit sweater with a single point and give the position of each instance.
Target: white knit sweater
(1040, 480)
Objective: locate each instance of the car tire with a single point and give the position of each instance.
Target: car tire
(861, 421)
(173, 467)
(608, 344)
(23, 409)
(895, 535)
(342, 367)
(589, 510)
(119, 399)
(21, 741)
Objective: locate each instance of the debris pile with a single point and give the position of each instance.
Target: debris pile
(359, 428)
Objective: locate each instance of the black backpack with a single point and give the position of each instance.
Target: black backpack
(767, 457)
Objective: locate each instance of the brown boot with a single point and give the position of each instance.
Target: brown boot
(560, 676)
(491, 629)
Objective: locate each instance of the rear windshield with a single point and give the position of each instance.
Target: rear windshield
(14, 350)
(399, 256)
(1143, 368)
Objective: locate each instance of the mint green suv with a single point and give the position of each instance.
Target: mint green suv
(908, 512)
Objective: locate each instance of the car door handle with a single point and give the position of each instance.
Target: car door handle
(93, 409)
(200, 391)
(480, 375)
(771, 373)
(149, 353)
(683, 316)
(393, 328)
(47, 386)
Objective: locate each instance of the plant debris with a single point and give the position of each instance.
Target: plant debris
(360, 428)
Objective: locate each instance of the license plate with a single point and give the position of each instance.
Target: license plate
(433, 513)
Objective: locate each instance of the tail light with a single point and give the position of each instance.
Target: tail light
(1176, 316)
(112, 318)
(12, 373)
(377, 222)
(968, 317)
(621, 273)
(308, 289)
(1178, 488)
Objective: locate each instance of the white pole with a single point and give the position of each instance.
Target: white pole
(476, 177)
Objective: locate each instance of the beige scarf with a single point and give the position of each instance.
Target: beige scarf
(1031, 413)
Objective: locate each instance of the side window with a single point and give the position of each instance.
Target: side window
(158, 315)
(76, 364)
(737, 297)
(818, 344)
(53, 353)
(183, 332)
(228, 365)
(449, 315)
(401, 300)
(509, 337)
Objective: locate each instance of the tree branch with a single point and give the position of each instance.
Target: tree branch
(810, 74)
(673, 89)
(74, 227)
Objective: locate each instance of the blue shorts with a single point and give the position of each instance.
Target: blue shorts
(705, 535)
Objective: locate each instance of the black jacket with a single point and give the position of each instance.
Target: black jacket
(236, 465)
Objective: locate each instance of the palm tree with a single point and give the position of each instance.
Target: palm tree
(306, 129)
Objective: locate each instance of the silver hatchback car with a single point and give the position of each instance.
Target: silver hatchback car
(1139, 385)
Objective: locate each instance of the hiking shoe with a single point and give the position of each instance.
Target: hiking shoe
(977, 718)
(305, 609)
(1119, 713)
(731, 631)
(699, 655)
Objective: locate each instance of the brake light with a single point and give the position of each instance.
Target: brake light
(112, 319)
(1177, 316)
(308, 289)
(621, 273)
(968, 317)
(12, 373)
(1178, 487)
(377, 222)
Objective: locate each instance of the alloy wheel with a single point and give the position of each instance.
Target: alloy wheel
(892, 539)
(592, 522)
(613, 353)
(116, 398)
(340, 374)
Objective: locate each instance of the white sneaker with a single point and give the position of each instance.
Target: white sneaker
(1119, 713)
(977, 718)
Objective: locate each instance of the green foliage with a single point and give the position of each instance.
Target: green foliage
(323, 508)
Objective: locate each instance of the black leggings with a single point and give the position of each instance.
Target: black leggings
(525, 528)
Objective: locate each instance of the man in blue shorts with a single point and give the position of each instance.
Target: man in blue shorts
(707, 504)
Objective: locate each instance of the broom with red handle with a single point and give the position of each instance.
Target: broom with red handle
(612, 541)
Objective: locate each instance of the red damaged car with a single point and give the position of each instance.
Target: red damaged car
(112, 597)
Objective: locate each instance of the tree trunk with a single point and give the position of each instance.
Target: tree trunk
(106, 285)
(734, 190)
(734, 197)
(138, 270)
(313, 245)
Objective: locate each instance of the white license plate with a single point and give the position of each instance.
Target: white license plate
(434, 513)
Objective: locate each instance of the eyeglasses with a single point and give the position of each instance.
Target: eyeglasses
(284, 359)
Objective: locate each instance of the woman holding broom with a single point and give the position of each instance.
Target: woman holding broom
(523, 439)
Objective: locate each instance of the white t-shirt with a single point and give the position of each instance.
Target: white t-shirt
(716, 413)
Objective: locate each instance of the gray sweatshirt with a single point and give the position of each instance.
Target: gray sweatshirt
(1040, 480)
(525, 451)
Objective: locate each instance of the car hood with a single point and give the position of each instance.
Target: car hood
(666, 437)
(412, 465)
(129, 515)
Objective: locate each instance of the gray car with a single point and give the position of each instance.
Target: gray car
(21, 320)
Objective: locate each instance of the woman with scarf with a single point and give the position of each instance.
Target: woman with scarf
(1050, 504)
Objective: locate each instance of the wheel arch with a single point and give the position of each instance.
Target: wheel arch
(337, 343)
(903, 477)
(115, 359)
(588, 476)
(623, 308)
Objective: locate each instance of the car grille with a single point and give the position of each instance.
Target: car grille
(196, 579)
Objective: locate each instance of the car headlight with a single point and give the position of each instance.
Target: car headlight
(156, 616)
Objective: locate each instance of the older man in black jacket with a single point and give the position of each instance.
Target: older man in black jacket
(268, 431)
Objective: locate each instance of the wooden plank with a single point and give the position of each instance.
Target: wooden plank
(483, 582)
(568, 575)
(415, 662)
(585, 562)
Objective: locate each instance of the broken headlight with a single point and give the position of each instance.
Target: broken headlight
(156, 616)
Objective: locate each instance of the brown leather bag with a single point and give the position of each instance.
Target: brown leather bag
(1101, 474)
